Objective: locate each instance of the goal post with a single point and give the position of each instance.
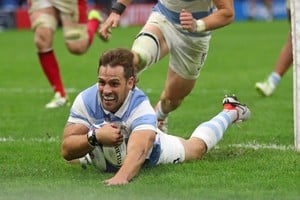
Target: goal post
(295, 25)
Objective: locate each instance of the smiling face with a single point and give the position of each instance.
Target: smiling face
(113, 87)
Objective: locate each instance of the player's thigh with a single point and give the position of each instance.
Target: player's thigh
(172, 150)
(48, 12)
(195, 148)
(73, 15)
(177, 87)
(153, 29)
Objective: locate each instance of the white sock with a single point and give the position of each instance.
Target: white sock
(274, 78)
(159, 112)
(212, 131)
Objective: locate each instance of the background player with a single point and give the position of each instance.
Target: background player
(45, 15)
(184, 33)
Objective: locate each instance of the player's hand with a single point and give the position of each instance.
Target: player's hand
(112, 21)
(116, 180)
(187, 21)
(109, 135)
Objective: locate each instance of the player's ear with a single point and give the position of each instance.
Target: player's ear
(131, 82)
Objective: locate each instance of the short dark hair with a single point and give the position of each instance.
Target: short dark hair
(118, 57)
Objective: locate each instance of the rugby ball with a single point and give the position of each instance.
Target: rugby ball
(115, 155)
(108, 158)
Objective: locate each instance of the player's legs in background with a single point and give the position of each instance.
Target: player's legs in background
(80, 28)
(44, 22)
(283, 63)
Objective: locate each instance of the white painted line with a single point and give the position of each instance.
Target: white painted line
(41, 140)
(36, 90)
(257, 146)
(253, 145)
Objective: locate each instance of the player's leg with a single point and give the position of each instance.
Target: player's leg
(186, 60)
(176, 89)
(209, 133)
(43, 19)
(79, 28)
(149, 45)
(176, 149)
(283, 63)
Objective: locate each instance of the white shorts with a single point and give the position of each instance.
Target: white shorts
(70, 9)
(187, 51)
(172, 150)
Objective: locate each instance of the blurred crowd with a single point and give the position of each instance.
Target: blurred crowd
(267, 10)
(14, 4)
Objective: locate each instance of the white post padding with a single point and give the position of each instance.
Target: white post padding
(295, 25)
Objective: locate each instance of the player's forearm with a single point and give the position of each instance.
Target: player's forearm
(119, 6)
(223, 16)
(75, 146)
(132, 164)
(219, 19)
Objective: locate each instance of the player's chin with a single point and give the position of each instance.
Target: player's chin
(109, 105)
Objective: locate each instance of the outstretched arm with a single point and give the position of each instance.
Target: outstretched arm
(138, 147)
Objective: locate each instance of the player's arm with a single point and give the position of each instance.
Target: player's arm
(223, 16)
(138, 147)
(114, 18)
(74, 143)
(75, 139)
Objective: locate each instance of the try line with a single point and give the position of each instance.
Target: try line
(249, 145)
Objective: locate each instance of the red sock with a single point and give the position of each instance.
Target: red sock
(92, 27)
(51, 70)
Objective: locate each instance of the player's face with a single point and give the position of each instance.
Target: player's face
(113, 87)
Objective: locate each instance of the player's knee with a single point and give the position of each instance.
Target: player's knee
(76, 38)
(43, 38)
(147, 46)
(195, 149)
(77, 48)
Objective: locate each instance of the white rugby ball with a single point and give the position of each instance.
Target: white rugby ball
(98, 159)
(115, 155)
(108, 159)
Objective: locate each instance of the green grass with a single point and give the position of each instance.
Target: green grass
(31, 166)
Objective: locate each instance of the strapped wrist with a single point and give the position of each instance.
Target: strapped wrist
(118, 8)
(91, 138)
(200, 26)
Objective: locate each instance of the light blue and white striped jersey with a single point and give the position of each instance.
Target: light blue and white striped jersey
(135, 114)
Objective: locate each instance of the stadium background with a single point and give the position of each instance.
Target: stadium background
(13, 13)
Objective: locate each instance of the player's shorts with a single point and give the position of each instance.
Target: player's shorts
(188, 51)
(172, 150)
(72, 12)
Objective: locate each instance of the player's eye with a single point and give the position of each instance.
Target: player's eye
(114, 84)
(101, 82)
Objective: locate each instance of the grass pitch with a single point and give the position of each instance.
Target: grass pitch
(255, 159)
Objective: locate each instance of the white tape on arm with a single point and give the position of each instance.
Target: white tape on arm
(200, 26)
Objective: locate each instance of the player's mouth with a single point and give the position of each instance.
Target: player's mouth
(108, 98)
